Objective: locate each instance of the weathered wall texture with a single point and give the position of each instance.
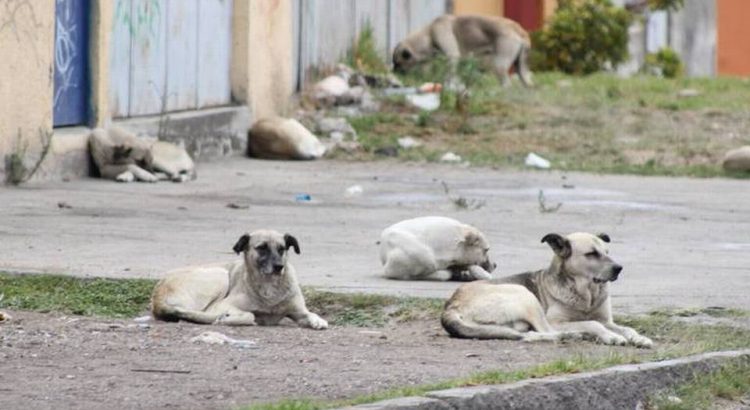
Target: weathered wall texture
(261, 71)
(326, 29)
(27, 29)
(692, 34)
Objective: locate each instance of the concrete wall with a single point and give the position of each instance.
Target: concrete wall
(260, 76)
(27, 31)
(692, 34)
(262, 59)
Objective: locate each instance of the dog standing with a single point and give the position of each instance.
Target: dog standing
(458, 36)
(261, 289)
(571, 296)
(434, 248)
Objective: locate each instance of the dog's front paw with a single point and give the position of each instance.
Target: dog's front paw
(316, 322)
(126, 176)
(613, 340)
(641, 341)
(236, 319)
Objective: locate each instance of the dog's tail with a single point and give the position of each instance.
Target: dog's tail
(456, 326)
(521, 65)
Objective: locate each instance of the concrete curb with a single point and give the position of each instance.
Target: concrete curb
(620, 387)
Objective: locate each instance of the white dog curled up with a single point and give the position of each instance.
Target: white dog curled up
(434, 248)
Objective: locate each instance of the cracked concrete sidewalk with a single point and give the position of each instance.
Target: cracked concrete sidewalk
(683, 242)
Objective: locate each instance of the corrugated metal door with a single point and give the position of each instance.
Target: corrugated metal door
(170, 55)
(70, 98)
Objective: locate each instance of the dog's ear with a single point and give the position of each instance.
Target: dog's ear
(560, 245)
(471, 238)
(291, 242)
(603, 236)
(242, 243)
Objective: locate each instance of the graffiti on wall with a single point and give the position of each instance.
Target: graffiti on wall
(140, 17)
(65, 49)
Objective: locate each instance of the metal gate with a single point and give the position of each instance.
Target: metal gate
(170, 55)
(70, 98)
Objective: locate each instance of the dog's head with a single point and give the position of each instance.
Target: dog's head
(266, 251)
(584, 255)
(404, 58)
(476, 249)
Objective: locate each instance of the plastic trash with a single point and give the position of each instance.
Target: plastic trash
(535, 161)
(425, 102)
(216, 338)
(303, 198)
(450, 157)
(354, 190)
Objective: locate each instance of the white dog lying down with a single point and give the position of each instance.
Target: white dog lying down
(124, 157)
(434, 248)
(260, 289)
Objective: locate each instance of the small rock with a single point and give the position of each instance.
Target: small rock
(329, 125)
(674, 400)
(688, 92)
(450, 157)
(4, 317)
(472, 354)
(535, 161)
(216, 338)
(142, 319)
(408, 142)
(332, 86)
(389, 151)
(64, 205)
(232, 205)
(425, 102)
(737, 160)
(354, 190)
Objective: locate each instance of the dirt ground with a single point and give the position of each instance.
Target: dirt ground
(53, 361)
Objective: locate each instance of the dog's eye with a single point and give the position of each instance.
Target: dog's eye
(262, 247)
(281, 250)
(593, 255)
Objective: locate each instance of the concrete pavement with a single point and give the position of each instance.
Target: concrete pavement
(683, 242)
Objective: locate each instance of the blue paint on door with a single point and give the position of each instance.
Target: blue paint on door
(71, 62)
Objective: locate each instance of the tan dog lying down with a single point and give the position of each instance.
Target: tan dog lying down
(570, 298)
(283, 138)
(259, 289)
(434, 248)
(124, 157)
(502, 39)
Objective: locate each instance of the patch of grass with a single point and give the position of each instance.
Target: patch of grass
(673, 339)
(731, 383)
(597, 123)
(80, 296)
(714, 311)
(366, 310)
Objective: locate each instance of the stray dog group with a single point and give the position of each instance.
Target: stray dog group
(569, 299)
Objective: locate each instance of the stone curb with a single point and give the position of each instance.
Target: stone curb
(620, 387)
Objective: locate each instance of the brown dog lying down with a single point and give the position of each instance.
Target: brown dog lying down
(283, 138)
(569, 298)
(260, 289)
(122, 156)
